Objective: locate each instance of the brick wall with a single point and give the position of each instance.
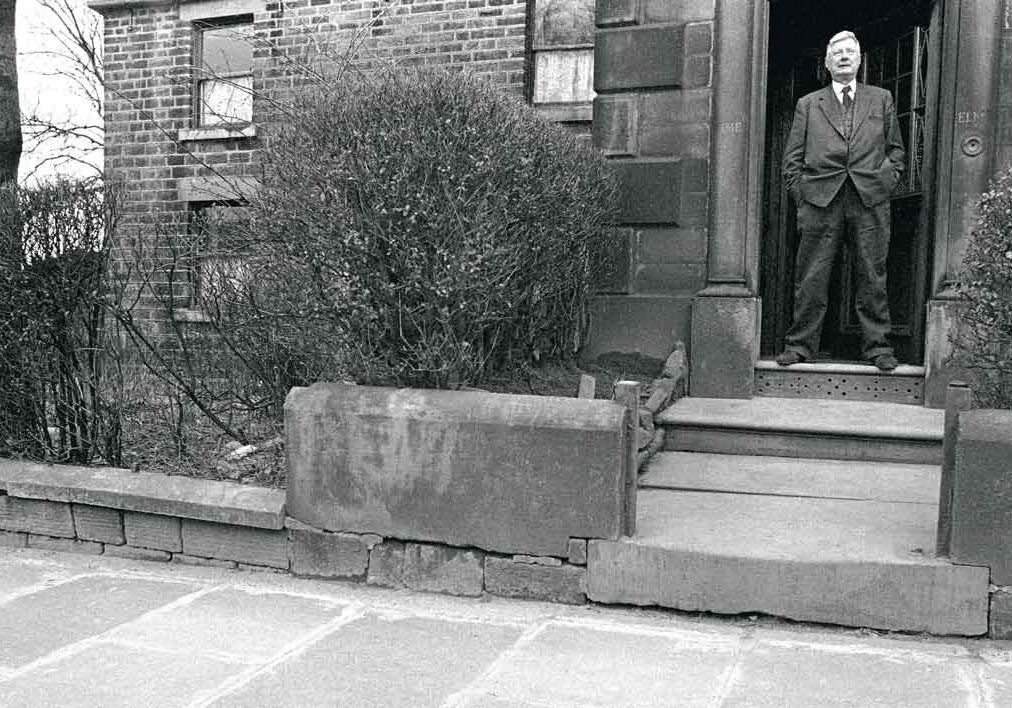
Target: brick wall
(149, 53)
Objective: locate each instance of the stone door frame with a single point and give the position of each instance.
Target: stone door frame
(725, 314)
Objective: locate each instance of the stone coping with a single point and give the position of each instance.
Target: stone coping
(149, 492)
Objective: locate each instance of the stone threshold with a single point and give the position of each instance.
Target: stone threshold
(840, 367)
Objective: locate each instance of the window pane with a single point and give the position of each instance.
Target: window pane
(564, 76)
(563, 22)
(225, 101)
(227, 50)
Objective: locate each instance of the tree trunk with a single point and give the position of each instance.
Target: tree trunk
(10, 109)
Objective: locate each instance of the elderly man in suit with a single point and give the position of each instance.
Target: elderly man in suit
(843, 159)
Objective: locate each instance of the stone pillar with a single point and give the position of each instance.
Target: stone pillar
(982, 493)
(1005, 90)
(652, 75)
(967, 150)
(725, 314)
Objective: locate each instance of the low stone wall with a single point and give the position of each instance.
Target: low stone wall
(155, 517)
(505, 473)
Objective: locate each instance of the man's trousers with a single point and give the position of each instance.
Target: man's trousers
(867, 230)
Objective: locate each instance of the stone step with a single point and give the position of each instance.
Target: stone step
(843, 381)
(809, 428)
(852, 562)
(792, 477)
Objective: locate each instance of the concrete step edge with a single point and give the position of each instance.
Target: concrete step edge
(821, 430)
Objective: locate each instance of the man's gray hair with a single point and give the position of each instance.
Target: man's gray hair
(839, 37)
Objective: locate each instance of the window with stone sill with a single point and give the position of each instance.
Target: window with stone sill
(562, 47)
(218, 268)
(223, 87)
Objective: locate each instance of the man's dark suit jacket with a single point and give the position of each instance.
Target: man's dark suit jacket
(818, 157)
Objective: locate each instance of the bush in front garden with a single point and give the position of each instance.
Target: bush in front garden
(425, 227)
(982, 342)
(58, 373)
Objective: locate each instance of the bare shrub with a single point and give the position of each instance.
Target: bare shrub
(56, 358)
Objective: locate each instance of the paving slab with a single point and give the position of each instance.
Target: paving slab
(772, 676)
(382, 662)
(996, 680)
(232, 624)
(36, 624)
(403, 649)
(589, 667)
(109, 675)
(791, 476)
(15, 579)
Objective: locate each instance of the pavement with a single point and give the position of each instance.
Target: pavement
(93, 631)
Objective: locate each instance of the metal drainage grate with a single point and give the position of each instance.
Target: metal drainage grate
(852, 387)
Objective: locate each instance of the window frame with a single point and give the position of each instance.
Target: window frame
(199, 251)
(221, 129)
(562, 112)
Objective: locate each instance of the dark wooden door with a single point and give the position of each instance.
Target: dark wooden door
(898, 55)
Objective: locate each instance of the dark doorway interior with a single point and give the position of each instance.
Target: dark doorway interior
(899, 40)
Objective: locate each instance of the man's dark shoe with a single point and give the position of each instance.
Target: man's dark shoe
(789, 357)
(885, 362)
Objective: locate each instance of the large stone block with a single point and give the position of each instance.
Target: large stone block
(235, 543)
(36, 516)
(153, 531)
(615, 273)
(514, 474)
(13, 539)
(577, 553)
(508, 578)
(328, 555)
(98, 523)
(650, 192)
(638, 324)
(454, 571)
(982, 493)
(677, 10)
(668, 245)
(999, 620)
(638, 57)
(724, 346)
(386, 564)
(929, 596)
(615, 125)
(667, 278)
(64, 545)
(616, 12)
(134, 553)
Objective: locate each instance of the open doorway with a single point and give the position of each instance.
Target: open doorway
(899, 40)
